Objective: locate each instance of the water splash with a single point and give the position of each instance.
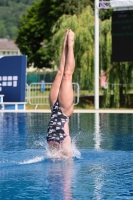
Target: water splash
(48, 154)
(33, 160)
(57, 154)
(76, 152)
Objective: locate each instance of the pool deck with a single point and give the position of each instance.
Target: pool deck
(75, 111)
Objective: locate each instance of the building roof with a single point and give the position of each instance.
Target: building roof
(6, 44)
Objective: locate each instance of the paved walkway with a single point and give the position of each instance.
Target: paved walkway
(75, 111)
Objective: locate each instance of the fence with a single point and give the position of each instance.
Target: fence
(38, 93)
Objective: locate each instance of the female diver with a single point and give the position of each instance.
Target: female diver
(61, 102)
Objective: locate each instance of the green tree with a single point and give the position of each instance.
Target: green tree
(72, 7)
(10, 11)
(83, 26)
(35, 28)
(119, 75)
(30, 36)
(2, 29)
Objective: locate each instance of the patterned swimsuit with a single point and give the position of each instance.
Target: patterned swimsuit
(56, 125)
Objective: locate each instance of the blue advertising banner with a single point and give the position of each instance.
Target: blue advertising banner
(13, 78)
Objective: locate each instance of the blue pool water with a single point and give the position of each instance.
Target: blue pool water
(103, 171)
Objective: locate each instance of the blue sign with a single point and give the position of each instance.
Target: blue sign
(13, 78)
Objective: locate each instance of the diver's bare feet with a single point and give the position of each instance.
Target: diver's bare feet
(70, 38)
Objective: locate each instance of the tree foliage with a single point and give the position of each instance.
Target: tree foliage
(119, 75)
(42, 28)
(10, 11)
(72, 7)
(35, 33)
(83, 26)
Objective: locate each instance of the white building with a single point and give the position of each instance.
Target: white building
(8, 47)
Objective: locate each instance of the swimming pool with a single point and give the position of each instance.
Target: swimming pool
(103, 171)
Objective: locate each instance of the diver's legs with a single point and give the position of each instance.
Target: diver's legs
(66, 90)
(54, 91)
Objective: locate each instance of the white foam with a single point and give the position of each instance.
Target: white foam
(76, 152)
(55, 154)
(40, 143)
(33, 160)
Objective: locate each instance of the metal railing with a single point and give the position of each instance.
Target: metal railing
(38, 93)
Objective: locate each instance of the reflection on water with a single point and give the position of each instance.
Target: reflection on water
(104, 131)
(104, 170)
(12, 131)
(97, 133)
(59, 177)
(99, 182)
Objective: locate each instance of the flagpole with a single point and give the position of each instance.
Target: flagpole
(96, 55)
